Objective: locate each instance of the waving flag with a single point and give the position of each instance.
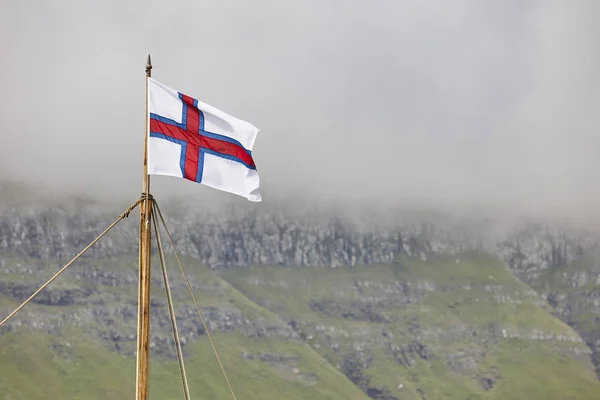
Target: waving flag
(193, 140)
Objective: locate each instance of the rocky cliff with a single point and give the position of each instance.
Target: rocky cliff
(275, 236)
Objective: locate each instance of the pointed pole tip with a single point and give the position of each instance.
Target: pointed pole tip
(148, 64)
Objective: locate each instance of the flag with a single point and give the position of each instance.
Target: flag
(192, 140)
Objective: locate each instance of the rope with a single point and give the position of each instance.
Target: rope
(161, 254)
(122, 216)
(196, 303)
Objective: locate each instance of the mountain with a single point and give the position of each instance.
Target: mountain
(304, 303)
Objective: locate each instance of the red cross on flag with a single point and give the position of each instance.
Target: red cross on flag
(193, 140)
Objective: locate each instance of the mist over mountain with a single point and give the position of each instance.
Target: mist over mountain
(465, 104)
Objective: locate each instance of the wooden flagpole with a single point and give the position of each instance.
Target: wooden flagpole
(143, 334)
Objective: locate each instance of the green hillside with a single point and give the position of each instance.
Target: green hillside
(459, 327)
(76, 362)
(451, 327)
(39, 366)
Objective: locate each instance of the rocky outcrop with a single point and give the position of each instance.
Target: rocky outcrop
(273, 236)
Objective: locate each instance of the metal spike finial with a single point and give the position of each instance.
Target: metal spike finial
(148, 64)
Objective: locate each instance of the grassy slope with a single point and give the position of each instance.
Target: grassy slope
(74, 365)
(35, 365)
(31, 369)
(461, 299)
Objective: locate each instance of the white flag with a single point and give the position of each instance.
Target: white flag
(193, 140)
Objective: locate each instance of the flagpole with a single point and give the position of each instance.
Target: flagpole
(143, 334)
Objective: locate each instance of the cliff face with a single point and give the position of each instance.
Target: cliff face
(274, 237)
(559, 269)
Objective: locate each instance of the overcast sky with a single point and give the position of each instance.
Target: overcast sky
(494, 102)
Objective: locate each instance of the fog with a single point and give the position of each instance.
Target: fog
(452, 103)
